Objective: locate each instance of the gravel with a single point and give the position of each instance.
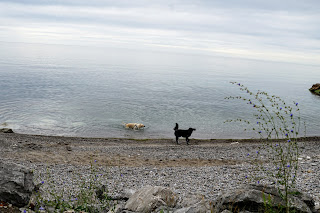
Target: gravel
(212, 166)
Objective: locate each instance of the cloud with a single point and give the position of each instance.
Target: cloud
(268, 30)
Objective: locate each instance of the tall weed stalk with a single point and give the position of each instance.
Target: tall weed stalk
(278, 126)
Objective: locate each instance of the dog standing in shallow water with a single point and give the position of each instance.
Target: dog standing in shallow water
(182, 133)
(134, 126)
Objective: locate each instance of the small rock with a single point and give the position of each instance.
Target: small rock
(69, 148)
(226, 211)
(317, 207)
(69, 211)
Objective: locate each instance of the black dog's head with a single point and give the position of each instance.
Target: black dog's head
(191, 129)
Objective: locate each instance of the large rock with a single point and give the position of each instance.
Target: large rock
(149, 198)
(16, 184)
(195, 203)
(254, 197)
(315, 89)
(203, 206)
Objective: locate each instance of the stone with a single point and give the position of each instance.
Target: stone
(317, 207)
(193, 203)
(16, 184)
(118, 209)
(164, 209)
(226, 211)
(315, 89)
(69, 148)
(127, 193)
(202, 207)
(190, 199)
(252, 198)
(149, 198)
(6, 130)
(234, 143)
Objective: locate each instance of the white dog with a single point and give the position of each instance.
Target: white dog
(134, 125)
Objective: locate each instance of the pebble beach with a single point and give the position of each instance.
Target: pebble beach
(204, 167)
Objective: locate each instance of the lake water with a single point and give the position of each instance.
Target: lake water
(91, 92)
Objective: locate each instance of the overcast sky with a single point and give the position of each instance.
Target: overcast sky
(277, 30)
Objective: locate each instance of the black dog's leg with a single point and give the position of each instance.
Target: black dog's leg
(177, 139)
(187, 139)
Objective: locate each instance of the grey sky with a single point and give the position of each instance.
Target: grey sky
(282, 30)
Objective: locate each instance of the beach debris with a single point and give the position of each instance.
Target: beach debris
(233, 143)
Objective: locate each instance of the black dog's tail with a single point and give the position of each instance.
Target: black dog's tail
(176, 127)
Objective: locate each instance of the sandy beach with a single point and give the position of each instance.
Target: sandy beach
(205, 167)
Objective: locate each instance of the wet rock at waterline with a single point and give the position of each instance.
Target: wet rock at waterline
(6, 130)
(315, 89)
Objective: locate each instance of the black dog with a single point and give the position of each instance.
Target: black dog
(182, 133)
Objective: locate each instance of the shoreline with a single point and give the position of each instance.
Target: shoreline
(205, 167)
(217, 140)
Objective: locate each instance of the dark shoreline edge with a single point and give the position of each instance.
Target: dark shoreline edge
(153, 140)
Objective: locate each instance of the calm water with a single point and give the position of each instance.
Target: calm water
(81, 91)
